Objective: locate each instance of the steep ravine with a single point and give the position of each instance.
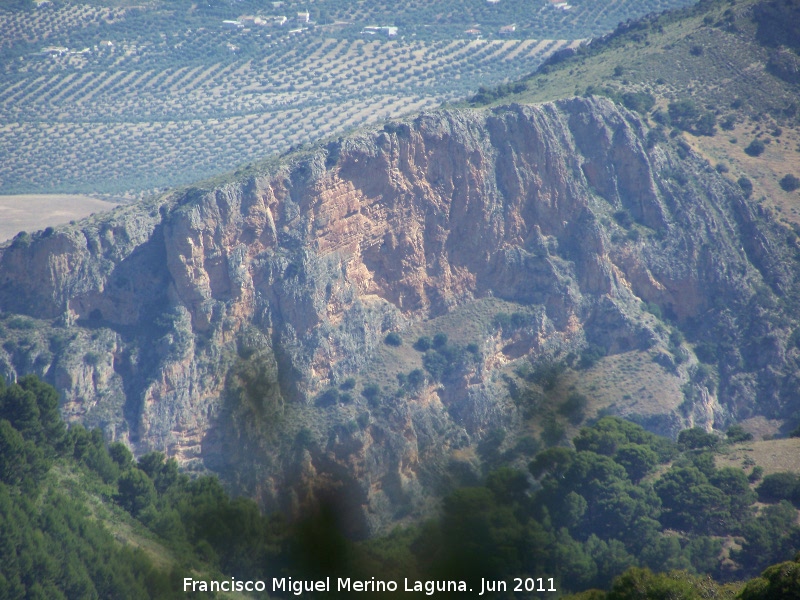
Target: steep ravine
(207, 323)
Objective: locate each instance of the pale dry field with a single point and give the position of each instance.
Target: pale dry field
(629, 384)
(32, 212)
(774, 456)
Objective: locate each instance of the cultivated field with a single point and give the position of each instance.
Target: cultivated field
(160, 128)
(33, 212)
(124, 98)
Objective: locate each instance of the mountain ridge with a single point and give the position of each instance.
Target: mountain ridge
(211, 323)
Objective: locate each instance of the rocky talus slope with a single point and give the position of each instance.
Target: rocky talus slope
(209, 323)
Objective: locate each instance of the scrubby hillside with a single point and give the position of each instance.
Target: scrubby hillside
(720, 75)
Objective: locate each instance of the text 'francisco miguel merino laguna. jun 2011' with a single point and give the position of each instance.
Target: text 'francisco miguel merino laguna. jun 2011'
(287, 585)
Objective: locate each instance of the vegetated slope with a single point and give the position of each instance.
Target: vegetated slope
(622, 500)
(245, 326)
(51, 547)
(81, 518)
(128, 98)
(724, 74)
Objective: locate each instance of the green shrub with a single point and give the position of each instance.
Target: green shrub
(736, 433)
(436, 364)
(422, 344)
(656, 135)
(683, 113)
(393, 339)
(20, 323)
(553, 431)
(728, 123)
(624, 218)
(790, 183)
(755, 148)
(706, 124)
(590, 356)
(696, 439)
(136, 491)
(641, 102)
(778, 486)
(92, 359)
(328, 398)
(371, 391)
(439, 340)
(574, 408)
(746, 185)
(756, 474)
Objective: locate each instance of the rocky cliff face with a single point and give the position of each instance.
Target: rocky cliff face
(210, 323)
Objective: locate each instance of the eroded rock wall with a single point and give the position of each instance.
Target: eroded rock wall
(159, 310)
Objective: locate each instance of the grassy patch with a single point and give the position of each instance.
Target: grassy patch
(629, 383)
(774, 456)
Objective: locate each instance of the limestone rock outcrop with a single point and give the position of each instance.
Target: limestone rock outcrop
(209, 322)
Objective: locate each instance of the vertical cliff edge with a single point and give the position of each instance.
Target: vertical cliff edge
(240, 328)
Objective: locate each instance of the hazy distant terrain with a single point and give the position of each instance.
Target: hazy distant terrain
(29, 212)
(123, 97)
